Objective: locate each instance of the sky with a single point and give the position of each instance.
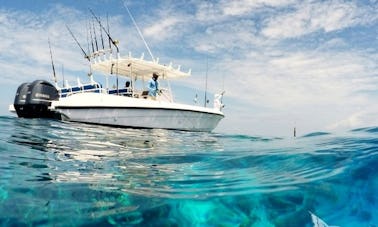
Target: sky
(310, 64)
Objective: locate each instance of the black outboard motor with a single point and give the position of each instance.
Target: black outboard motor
(33, 99)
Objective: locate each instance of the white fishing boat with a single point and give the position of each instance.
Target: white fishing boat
(132, 107)
(125, 107)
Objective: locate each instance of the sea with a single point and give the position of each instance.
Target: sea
(55, 173)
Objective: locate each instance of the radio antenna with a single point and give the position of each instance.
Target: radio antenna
(207, 66)
(64, 83)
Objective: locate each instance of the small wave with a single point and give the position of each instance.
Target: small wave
(366, 129)
(313, 134)
(5, 117)
(247, 137)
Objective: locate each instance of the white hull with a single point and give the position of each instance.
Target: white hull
(123, 111)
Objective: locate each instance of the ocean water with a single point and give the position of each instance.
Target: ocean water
(70, 174)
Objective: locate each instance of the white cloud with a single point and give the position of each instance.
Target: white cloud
(298, 78)
(216, 11)
(25, 36)
(226, 37)
(358, 119)
(162, 29)
(314, 89)
(242, 7)
(313, 16)
(208, 11)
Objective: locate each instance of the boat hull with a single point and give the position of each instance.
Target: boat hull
(136, 113)
(143, 117)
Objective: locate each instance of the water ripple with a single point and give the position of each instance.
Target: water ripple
(171, 164)
(69, 167)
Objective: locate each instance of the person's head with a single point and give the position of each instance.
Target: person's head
(127, 84)
(155, 76)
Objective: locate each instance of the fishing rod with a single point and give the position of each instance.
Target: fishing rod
(87, 31)
(95, 35)
(107, 24)
(102, 39)
(52, 62)
(114, 42)
(90, 34)
(77, 42)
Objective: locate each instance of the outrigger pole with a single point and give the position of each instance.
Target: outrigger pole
(139, 32)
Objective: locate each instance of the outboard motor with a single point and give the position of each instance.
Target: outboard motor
(33, 99)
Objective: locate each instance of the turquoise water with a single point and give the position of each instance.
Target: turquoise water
(70, 174)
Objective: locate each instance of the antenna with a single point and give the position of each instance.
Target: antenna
(137, 28)
(207, 66)
(52, 62)
(64, 85)
(77, 42)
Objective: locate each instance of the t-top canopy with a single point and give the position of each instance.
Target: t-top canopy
(130, 66)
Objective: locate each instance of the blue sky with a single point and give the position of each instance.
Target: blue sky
(283, 63)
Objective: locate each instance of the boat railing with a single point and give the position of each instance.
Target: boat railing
(163, 95)
(95, 88)
(123, 92)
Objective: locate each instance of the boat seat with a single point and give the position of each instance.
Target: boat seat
(112, 91)
(75, 89)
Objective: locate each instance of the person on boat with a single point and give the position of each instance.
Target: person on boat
(128, 88)
(127, 84)
(153, 86)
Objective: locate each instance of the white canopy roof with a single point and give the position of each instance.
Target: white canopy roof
(136, 67)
